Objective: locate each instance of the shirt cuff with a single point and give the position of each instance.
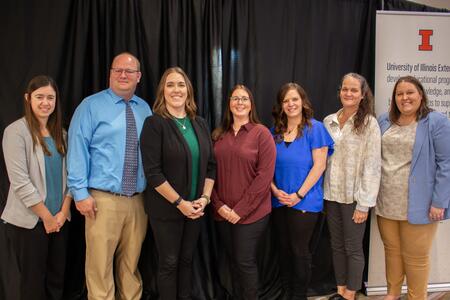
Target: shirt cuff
(362, 208)
(80, 194)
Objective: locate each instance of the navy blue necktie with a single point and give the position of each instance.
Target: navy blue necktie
(130, 165)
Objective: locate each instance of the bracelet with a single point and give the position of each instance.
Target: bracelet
(299, 196)
(208, 199)
(178, 201)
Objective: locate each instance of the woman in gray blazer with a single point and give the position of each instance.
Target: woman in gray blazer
(37, 205)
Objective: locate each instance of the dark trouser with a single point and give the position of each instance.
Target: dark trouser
(176, 242)
(241, 242)
(40, 259)
(293, 230)
(347, 244)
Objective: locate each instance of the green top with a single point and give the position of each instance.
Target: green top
(186, 129)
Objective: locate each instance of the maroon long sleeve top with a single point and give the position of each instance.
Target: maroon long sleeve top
(245, 167)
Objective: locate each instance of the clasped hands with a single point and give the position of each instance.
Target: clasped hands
(193, 209)
(286, 199)
(54, 223)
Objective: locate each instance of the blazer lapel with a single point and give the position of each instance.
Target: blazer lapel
(421, 135)
(181, 138)
(41, 161)
(203, 146)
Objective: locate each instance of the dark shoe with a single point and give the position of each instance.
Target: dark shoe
(336, 297)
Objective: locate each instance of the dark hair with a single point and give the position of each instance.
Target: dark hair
(228, 120)
(159, 107)
(54, 123)
(422, 112)
(365, 107)
(279, 116)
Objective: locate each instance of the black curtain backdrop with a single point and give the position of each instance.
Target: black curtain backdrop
(219, 43)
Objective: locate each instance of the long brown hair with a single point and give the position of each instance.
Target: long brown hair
(279, 116)
(159, 107)
(424, 109)
(54, 124)
(228, 120)
(366, 106)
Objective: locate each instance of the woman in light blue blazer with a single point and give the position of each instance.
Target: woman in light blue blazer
(415, 186)
(37, 205)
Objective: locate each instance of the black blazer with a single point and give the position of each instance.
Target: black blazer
(166, 157)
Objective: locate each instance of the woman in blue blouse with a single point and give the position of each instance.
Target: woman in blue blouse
(303, 145)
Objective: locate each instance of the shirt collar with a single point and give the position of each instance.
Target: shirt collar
(117, 98)
(334, 118)
(247, 127)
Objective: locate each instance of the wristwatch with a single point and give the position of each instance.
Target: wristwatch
(178, 201)
(208, 199)
(299, 196)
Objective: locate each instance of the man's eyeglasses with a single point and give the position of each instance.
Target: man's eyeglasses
(119, 71)
(242, 99)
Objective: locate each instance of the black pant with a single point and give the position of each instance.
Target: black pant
(241, 242)
(293, 230)
(176, 242)
(347, 244)
(39, 259)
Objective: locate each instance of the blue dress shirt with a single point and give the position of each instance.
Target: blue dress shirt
(97, 136)
(294, 162)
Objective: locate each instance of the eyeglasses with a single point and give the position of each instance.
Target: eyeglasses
(119, 71)
(242, 99)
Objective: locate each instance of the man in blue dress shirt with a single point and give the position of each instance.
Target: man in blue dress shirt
(107, 180)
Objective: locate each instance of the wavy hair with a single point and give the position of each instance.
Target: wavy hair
(366, 106)
(159, 107)
(279, 116)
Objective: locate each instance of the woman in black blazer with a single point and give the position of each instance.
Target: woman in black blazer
(180, 169)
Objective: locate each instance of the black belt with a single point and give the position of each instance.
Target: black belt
(116, 194)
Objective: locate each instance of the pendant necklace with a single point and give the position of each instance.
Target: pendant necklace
(289, 131)
(183, 125)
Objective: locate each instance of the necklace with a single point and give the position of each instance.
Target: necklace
(183, 125)
(291, 130)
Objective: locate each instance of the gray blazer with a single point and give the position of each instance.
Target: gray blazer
(26, 173)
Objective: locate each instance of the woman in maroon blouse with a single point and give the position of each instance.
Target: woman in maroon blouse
(245, 155)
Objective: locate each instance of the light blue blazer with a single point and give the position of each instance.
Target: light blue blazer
(429, 177)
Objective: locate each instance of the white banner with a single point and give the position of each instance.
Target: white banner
(416, 44)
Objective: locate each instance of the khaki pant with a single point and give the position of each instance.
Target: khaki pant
(115, 237)
(407, 248)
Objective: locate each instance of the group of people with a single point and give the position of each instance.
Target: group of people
(128, 167)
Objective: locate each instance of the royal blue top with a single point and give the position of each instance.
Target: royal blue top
(53, 177)
(294, 162)
(97, 136)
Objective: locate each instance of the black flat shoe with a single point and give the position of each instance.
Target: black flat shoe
(336, 297)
